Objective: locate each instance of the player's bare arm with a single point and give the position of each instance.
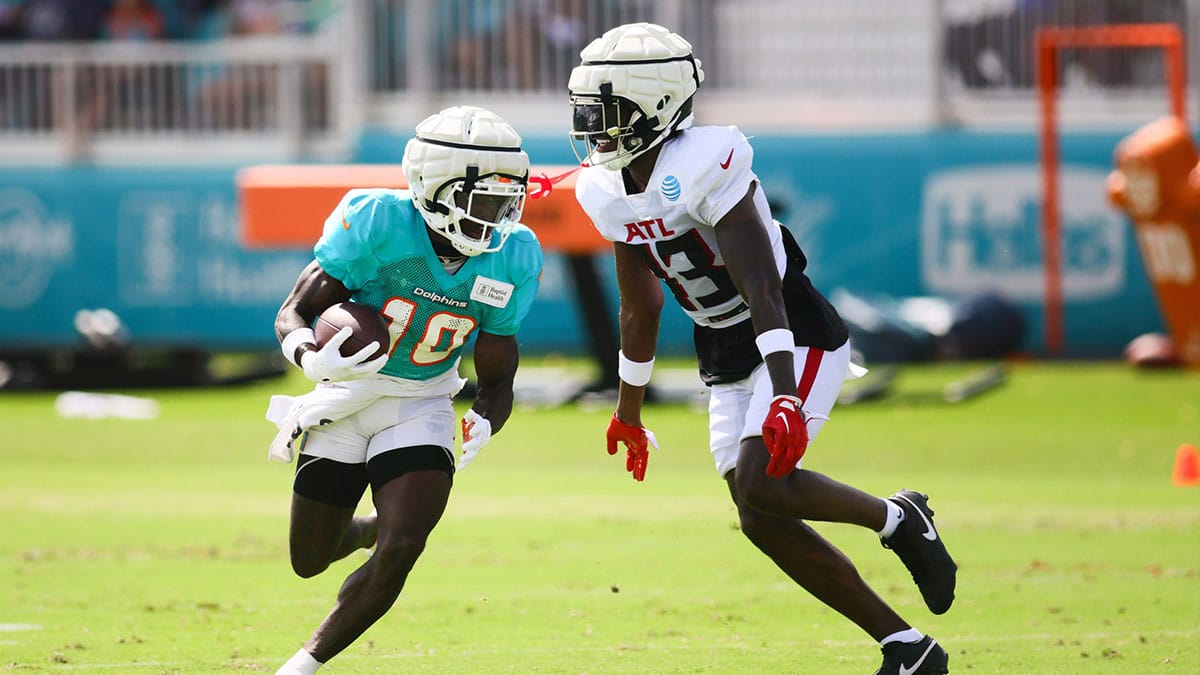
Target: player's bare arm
(641, 307)
(314, 292)
(632, 120)
(742, 238)
(496, 358)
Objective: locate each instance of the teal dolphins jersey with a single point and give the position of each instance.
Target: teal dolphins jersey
(377, 244)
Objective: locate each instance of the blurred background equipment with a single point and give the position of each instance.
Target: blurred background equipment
(1052, 45)
(1152, 350)
(982, 325)
(105, 357)
(1157, 182)
(1187, 466)
(90, 405)
(903, 143)
(101, 329)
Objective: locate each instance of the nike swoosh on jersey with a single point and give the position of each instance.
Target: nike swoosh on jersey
(345, 225)
(929, 533)
(905, 670)
(728, 160)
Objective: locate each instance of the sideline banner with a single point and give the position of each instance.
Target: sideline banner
(949, 214)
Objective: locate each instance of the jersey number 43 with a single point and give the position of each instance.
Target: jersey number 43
(690, 270)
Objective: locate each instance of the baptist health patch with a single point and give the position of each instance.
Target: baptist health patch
(491, 292)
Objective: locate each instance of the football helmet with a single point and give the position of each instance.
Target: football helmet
(468, 176)
(632, 89)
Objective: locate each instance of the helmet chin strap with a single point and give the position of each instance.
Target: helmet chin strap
(472, 177)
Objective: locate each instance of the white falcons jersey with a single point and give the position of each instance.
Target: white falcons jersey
(700, 175)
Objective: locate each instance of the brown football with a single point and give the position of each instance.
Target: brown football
(366, 322)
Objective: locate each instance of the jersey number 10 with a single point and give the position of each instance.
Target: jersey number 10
(433, 347)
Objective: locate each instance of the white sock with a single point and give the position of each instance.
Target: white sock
(910, 635)
(301, 663)
(895, 514)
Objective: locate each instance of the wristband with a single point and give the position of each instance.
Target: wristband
(292, 341)
(775, 340)
(636, 373)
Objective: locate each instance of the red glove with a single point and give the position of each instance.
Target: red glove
(635, 439)
(785, 434)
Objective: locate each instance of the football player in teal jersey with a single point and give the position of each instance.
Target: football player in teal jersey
(444, 261)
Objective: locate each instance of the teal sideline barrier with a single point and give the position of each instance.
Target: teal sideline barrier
(940, 213)
(160, 247)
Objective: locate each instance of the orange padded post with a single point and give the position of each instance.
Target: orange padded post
(1157, 183)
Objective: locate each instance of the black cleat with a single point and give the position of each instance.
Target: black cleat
(924, 657)
(921, 550)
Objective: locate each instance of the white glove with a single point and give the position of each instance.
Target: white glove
(477, 431)
(328, 365)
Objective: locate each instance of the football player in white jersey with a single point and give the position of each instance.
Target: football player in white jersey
(444, 261)
(683, 208)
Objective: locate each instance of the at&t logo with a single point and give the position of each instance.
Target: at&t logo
(671, 188)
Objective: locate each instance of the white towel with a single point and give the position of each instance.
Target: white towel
(336, 400)
(295, 415)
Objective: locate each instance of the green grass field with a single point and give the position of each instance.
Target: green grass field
(160, 546)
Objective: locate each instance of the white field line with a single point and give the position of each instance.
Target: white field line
(950, 640)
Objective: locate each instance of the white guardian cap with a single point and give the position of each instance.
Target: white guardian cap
(468, 175)
(632, 89)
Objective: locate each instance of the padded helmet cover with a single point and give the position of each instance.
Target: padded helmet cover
(641, 65)
(466, 149)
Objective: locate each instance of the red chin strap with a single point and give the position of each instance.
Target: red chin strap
(545, 184)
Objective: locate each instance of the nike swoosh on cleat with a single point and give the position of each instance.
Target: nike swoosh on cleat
(929, 533)
(728, 160)
(905, 670)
